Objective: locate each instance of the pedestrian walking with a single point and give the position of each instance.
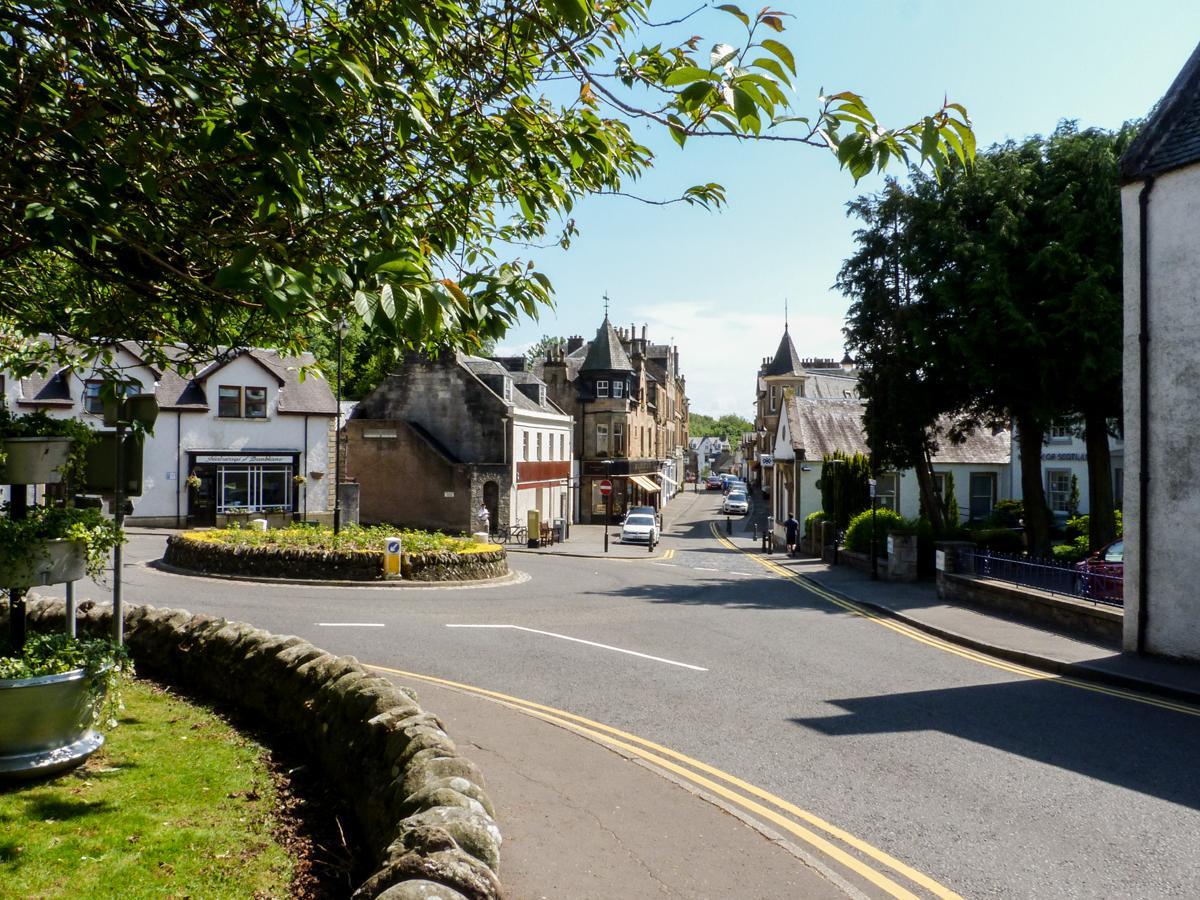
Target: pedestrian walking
(791, 529)
(485, 519)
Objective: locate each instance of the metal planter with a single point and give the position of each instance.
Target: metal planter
(34, 460)
(46, 723)
(53, 562)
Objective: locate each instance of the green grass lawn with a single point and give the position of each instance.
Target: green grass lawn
(176, 804)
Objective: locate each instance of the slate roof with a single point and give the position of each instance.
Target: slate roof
(819, 427)
(786, 361)
(605, 354)
(310, 396)
(1170, 137)
(478, 365)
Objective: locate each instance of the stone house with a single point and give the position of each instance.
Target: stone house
(246, 425)
(1160, 196)
(786, 371)
(442, 435)
(628, 398)
(811, 428)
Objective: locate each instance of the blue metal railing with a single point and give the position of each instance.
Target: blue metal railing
(1045, 575)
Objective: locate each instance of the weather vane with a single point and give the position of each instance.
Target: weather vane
(606, 304)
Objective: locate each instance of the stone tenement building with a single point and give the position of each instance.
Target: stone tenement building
(628, 398)
(442, 435)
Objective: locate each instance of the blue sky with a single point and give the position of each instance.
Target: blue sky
(716, 282)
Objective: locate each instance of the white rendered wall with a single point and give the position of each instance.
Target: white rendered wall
(1173, 464)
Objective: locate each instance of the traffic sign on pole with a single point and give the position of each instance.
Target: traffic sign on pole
(605, 487)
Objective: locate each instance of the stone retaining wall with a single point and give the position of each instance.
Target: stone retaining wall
(216, 558)
(419, 804)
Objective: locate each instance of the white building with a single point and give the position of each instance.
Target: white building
(245, 426)
(812, 428)
(1065, 466)
(1160, 200)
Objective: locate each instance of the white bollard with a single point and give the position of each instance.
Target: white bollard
(258, 524)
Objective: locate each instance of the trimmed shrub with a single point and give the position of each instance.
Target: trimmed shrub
(999, 540)
(1070, 553)
(1006, 514)
(858, 534)
(811, 521)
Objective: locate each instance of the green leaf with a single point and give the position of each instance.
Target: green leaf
(399, 262)
(772, 66)
(688, 74)
(782, 52)
(736, 12)
(929, 138)
(387, 302)
(678, 129)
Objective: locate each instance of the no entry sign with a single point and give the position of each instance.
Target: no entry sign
(605, 487)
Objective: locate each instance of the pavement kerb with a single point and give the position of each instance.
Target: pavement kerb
(513, 577)
(647, 558)
(1080, 671)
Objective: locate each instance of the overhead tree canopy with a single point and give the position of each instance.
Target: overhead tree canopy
(223, 174)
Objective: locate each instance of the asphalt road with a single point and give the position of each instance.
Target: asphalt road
(991, 783)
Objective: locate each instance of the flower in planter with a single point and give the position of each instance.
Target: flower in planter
(19, 538)
(299, 479)
(193, 481)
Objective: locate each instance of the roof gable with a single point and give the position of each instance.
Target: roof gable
(1170, 137)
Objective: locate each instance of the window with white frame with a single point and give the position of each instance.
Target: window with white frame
(887, 491)
(773, 398)
(91, 398)
(539, 446)
(983, 494)
(252, 488)
(1061, 432)
(1058, 490)
(507, 390)
(601, 438)
(618, 389)
(525, 445)
(562, 446)
(601, 388)
(618, 438)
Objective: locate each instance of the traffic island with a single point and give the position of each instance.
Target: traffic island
(307, 553)
(421, 815)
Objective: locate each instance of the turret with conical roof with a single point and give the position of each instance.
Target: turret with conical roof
(787, 360)
(606, 353)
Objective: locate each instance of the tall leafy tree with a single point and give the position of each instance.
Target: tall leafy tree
(219, 174)
(995, 296)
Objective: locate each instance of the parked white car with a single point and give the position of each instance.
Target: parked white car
(736, 503)
(639, 528)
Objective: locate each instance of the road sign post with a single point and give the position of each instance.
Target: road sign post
(874, 553)
(393, 556)
(606, 493)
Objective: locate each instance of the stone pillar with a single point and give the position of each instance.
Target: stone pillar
(902, 557)
(948, 561)
(827, 532)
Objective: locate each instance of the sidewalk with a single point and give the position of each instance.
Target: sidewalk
(585, 822)
(995, 634)
(587, 541)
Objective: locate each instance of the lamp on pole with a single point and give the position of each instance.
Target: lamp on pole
(342, 327)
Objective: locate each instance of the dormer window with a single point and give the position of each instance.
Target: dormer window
(256, 403)
(508, 390)
(618, 388)
(602, 389)
(234, 402)
(229, 402)
(542, 395)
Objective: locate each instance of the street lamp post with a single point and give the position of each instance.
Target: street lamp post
(337, 442)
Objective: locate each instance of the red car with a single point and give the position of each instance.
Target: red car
(1103, 573)
(713, 483)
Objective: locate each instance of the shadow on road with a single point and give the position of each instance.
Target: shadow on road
(1138, 747)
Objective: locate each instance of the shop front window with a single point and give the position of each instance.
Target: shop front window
(254, 488)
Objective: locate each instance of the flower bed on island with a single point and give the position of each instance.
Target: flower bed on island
(305, 552)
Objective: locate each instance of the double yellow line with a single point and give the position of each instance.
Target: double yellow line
(867, 862)
(966, 653)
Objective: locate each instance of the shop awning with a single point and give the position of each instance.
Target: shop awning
(671, 481)
(644, 483)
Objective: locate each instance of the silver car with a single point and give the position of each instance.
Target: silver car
(736, 503)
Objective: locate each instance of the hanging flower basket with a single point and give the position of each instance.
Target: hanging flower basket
(34, 460)
(51, 562)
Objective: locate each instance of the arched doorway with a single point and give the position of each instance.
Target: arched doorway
(491, 499)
